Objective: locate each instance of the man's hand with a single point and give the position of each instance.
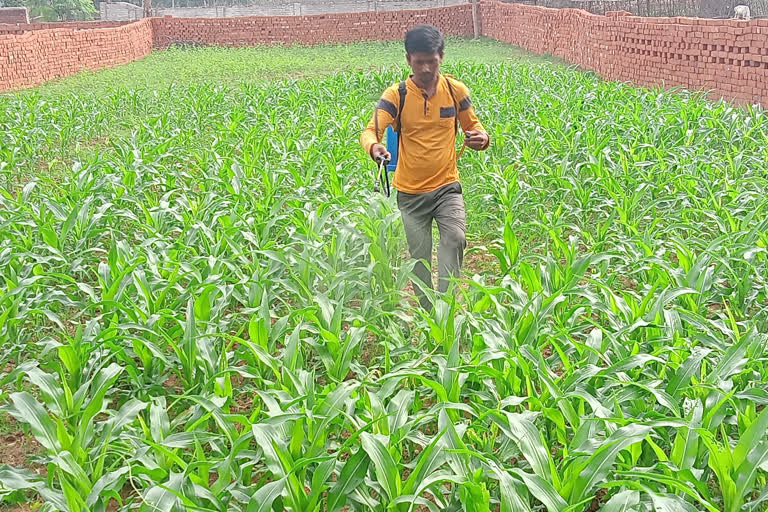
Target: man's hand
(476, 139)
(379, 153)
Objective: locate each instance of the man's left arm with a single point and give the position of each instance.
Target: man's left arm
(478, 136)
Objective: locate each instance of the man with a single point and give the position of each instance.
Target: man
(427, 178)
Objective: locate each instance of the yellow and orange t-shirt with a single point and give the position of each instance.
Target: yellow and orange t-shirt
(427, 152)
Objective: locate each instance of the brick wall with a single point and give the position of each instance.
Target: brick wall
(120, 11)
(311, 29)
(14, 15)
(32, 54)
(233, 8)
(70, 25)
(296, 8)
(695, 8)
(729, 57)
(36, 56)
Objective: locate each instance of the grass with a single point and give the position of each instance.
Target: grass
(203, 309)
(116, 93)
(234, 66)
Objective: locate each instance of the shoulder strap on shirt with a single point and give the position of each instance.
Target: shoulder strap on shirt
(453, 98)
(401, 90)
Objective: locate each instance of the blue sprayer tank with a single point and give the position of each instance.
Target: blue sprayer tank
(392, 148)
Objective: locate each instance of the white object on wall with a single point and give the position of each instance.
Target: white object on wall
(741, 12)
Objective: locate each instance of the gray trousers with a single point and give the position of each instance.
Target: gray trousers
(446, 206)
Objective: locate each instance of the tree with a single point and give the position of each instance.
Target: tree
(56, 10)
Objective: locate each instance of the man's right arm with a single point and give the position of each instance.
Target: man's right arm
(383, 116)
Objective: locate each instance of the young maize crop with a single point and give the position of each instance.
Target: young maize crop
(202, 302)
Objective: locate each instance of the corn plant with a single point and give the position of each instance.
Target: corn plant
(204, 306)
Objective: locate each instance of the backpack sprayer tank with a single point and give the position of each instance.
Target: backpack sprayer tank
(392, 148)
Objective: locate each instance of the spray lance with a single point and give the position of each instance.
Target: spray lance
(382, 175)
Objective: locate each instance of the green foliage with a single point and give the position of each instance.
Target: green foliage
(57, 10)
(202, 301)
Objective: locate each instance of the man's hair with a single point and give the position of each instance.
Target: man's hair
(424, 38)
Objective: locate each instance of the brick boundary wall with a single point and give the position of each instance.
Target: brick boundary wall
(30, 55)
(727, 57)
(20, 28)
(14, 15)
(34, 57)
(310, 29)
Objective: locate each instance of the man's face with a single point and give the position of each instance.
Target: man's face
(425, 67)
